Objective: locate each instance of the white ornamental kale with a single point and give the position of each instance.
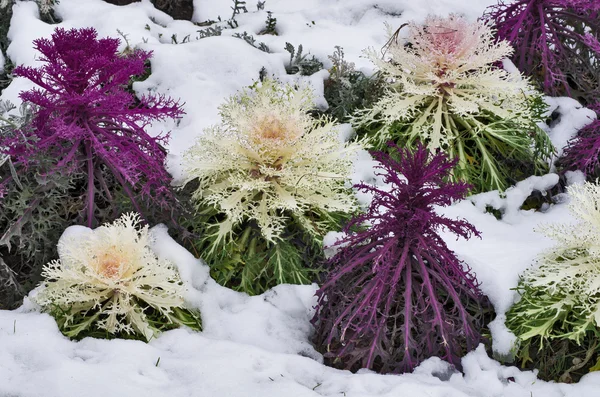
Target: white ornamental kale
(444, 91)
(561, 297)
(269, 160)
(109, 279)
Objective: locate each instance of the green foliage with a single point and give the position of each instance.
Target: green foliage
(77, 325)
(11, 290)
(300, 63)
(5, 75)
(443, 90)
(269, 182)
(238, 7)
(45, 8)
(555, 335)
(5, 17)
(33, 215)
(348, 89)
(249, 263)
(557, 318)
(34, 212)
(493, 152)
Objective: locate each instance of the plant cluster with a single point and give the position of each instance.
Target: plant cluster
(300, 63)
(555, 42)
(108, 282)
(88, 122)
(82, 156)
(444, 91)
(272, 178)
(557, 319)
(271, 182)
(396, 294)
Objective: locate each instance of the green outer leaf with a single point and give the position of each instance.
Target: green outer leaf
(247, 262)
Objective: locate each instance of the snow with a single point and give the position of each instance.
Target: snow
(260, 346)
(571, 117)
(36, 360)
(250, 347)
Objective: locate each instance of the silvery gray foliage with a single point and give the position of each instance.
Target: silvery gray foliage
(11, 122)
(45, 6)
(10, 289)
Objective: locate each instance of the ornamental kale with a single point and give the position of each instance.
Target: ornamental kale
(270, 182)
(443, 90)
(583, 151)
(79, 152)
(396, 294)
(555, 41)
(557, 319)
(89, 123)
(109, 282)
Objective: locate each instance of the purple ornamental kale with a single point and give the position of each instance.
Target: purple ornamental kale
(396, 295)
(555, 42)
(583, 151)
(87, 120)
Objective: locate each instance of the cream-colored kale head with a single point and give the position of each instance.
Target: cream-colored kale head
(443, 90)
(569, 273)
(269, 160)
(104, 276)
(447, 67)
(574, 263)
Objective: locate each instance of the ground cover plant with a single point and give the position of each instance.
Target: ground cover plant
(84, 157)
(555, 41)
(54, 210)
(445, 91)
(396, 294)
(348, 89)
(108, 282)
(264, 343)
(271, 182)
(557, 317)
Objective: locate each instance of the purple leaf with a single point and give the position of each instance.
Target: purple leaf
(583, 151)
(555, 42)
(88, 121)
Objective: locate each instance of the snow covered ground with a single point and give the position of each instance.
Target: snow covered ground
(259, 346)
